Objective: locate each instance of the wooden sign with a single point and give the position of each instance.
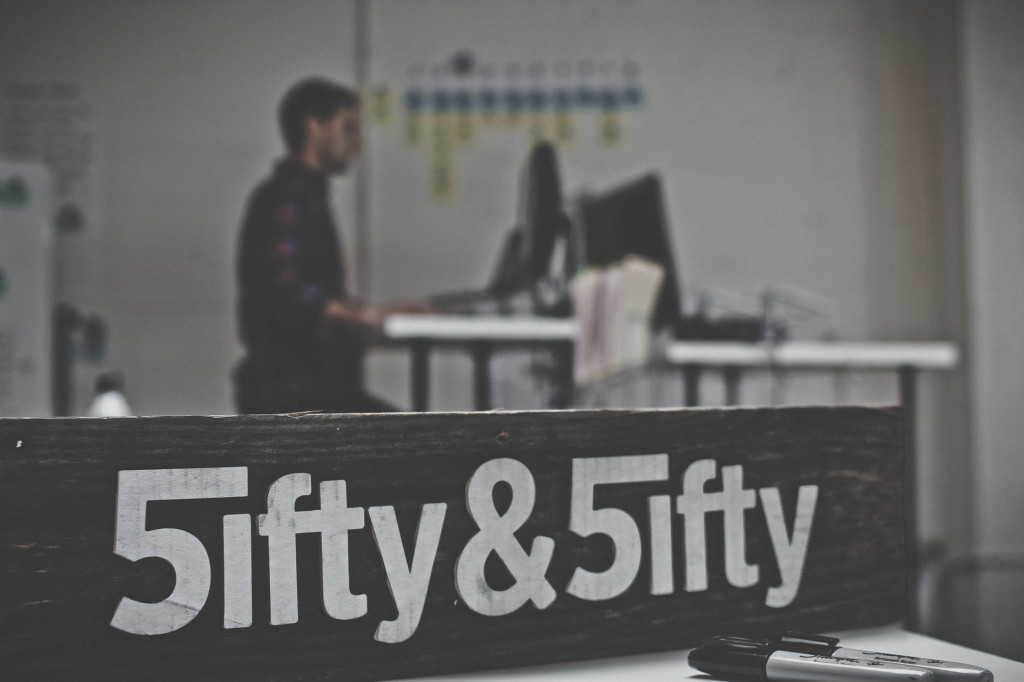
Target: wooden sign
(380, 546)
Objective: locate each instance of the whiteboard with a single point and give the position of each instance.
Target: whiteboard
(25, 285)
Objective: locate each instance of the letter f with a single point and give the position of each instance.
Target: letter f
(333, 521)
(279, 526)
(693, 504)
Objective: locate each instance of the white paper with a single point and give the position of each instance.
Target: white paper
(25, 301)
(613, 307)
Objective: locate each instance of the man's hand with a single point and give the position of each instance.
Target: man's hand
(353, 312)
(411, 306)
(338, 311)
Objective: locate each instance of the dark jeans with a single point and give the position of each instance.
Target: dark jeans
(276, 386)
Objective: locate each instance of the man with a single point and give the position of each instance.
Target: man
(304, 336)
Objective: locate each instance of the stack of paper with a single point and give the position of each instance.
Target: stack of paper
(613, 308)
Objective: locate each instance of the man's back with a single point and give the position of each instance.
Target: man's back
(289, 266)
(288, 260)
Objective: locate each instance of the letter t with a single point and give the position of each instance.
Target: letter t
(737, 571)
(333, 521)
(693, 504)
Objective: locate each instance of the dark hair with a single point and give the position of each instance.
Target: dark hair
(311, 98)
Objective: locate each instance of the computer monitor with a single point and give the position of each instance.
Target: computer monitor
(630, 219)
(542, 212)
(524, 268)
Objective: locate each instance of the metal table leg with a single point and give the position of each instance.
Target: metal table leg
(908, 401)
(731, 375)
(691, 385)
(481, 375)
(562, 395)
(420, 374)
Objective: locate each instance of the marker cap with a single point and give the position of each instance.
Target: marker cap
(733, 657)
(805, 643)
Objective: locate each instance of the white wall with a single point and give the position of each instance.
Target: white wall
(185, 94)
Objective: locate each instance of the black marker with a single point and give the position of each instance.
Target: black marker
(739, 658)
(945, 671)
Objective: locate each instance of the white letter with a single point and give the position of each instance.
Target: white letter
(497, 534)
(183, 551)
(735, 499)
(279, 525)
(237, 571)
(659, 509)
(408, 585)
(790, 554)
(693, 504)
(334, 520)
(584, 520)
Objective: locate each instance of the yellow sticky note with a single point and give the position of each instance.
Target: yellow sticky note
(465, 128)
(541, 126)
(565, 128)
(415, 124)
(515, 119)
(611, 128)
(381, 106)
(443, 131)
(442, 175)
(490, 119)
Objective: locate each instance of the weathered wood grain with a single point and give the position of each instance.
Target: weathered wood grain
(61, 581)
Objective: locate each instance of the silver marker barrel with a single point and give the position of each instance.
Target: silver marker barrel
(945, 671)
(794, 667)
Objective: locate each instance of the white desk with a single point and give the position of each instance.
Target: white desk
(481, 334)
(463, 329)
(802, 355)
(815, 354)
(671, 666)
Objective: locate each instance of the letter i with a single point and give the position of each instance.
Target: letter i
(237, 571)
(659, 508)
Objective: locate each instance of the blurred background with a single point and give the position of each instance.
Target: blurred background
(865, 155)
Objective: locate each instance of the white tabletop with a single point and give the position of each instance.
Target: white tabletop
(479, 328)
(816, 354)
(671, 666)
(794, 354)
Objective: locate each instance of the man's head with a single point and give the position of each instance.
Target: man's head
(320, 124)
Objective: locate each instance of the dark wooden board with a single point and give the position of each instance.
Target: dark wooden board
(61, 581)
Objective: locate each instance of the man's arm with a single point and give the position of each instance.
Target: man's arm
(351, 312)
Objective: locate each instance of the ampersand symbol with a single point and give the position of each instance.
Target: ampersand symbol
(496, 535)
